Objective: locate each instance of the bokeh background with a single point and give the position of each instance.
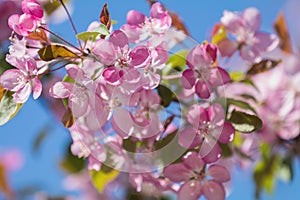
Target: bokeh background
(40, 167)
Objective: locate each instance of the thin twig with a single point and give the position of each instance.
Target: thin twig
(71, 21)
(62, 39)
(58, 68)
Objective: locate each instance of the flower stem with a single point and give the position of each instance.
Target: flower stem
(169, 77)
(71, 21)
(62, 39)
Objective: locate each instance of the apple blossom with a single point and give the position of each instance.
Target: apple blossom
(202, 76)
(250, 41)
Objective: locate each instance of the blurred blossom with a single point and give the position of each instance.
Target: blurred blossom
(7, 8)
(12, 159)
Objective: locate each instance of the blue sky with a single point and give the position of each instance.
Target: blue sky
(41, 167)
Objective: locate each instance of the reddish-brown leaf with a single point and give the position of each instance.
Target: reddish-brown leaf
(2, 92)
(177, 23)
(68, 119)
(105, 17)
(280, 27)
(4, 187)
(39, 35)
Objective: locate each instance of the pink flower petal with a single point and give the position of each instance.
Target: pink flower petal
(13, 80)
(61, 90)
(197, 116)
(134, 33)
(218, 173)
(140, 57)
(191, 190)
(211, 50)
(27, 23)
(105, 51)
(227, 47)
(33, 8)
(218, 77)
(122, 122)
(265, 42)
(210, 151)
(203, 89)
(213, 190)
(177, 172)
(78, 102)
(75, 73)
(216, 114)
(250, 54)
(227, 134)
(22, 95)
(112, 75)
(232, 22)
(188, 138)
(252, 19)
(119, 39)
(37, 88)
(193, 162)
(188, 78)
(135, 18)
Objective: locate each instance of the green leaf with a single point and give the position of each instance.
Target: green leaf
(71, 163)
(165, 141)
(263, 66)
(129, 145)
(247, 96)
(87, 36)
(8, 108)
(51, 52)
(244, 122)
(103, 177)
(3, 64)
(236, 76)
(265, 173)
(226, 150)
(101, 29)
(240, 104)
(178, 60)
(166, 95)
(286, 172)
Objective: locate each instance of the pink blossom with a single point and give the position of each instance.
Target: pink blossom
(119, 58)
(27, 22)
(139, 27)
(208, 128)
(22, 80)
(142, 122)
(250, 42)
(7, 8)
(193, 174)
(81, 94)
(202, 76)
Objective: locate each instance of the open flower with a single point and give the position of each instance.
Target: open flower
(22, 80)
(202, 76)
(192, 172)
(119, 58)
(209, 128)
(139, 27)
(249, 40)
(27, 22)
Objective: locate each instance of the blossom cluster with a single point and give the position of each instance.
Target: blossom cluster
(127, 107)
